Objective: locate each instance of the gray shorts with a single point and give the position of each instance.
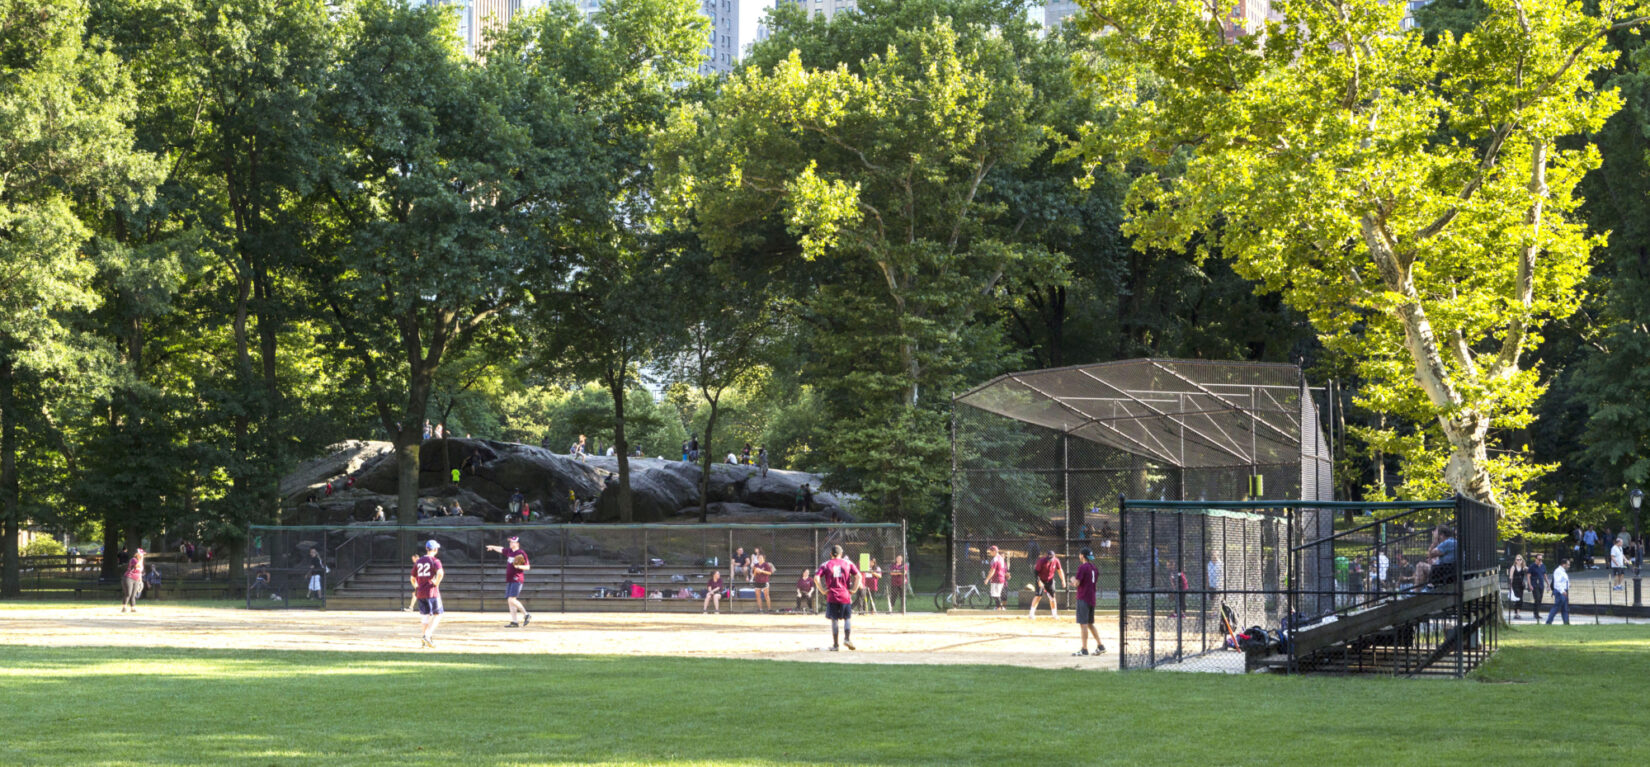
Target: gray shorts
(1085, 614)
(130, 588)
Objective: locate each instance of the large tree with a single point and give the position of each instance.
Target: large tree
(1414, 199)
(625, 69)
(445, 181)
(66, 154)
(855, 158)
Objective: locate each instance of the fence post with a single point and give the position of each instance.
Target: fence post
(905, 588)
(563, 588)
(647, 588)
(1122, 584)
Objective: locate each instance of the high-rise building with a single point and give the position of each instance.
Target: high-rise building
(735, 25)
(823, 8)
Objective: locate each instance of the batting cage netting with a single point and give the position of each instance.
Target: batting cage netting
(1040, 458)
(573, 567)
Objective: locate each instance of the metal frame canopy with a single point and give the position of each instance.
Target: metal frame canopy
(1178, 413)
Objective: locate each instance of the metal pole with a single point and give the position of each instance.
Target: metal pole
(1638, 556)
(647, 589)
(563, 529)
(1122, 584)
(905, 588)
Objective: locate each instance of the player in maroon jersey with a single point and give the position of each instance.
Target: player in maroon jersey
(515, 574)
(426, 581)
(838, 579)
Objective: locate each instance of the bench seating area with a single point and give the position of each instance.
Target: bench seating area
(481, 587)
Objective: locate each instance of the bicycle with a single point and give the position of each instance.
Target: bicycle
(961, 596)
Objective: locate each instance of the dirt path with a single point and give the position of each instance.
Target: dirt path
(917, 638)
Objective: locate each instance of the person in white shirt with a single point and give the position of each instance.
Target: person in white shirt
(1561, 593)
(1618, 565)
(1212, 576)
(1381, 565)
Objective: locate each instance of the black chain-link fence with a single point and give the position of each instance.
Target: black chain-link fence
(573, 567)
(1400, 588)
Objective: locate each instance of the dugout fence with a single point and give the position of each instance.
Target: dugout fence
(575, 567)
(1196, 576)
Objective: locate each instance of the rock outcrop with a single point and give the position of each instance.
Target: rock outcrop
(363, 478)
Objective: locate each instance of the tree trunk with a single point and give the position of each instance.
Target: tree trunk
(111, 548)
(1467, 431)
(615, 384)
(11, 584)
(704, 460)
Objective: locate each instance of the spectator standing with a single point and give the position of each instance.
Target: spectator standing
(1561, 593)
(1589, 540)
(316, 569)
(693, 447)
(713, 592)
(762, 461)
(1537, 582)
(1086, 580)
(1215, 572)
(132, 585)
(804, 498)
(516, 500)
(426, 429)
(996, 575)
(897, 575)
(745, 455)
(839, 579)
(805, 593)
(761, 571)
(516, 566)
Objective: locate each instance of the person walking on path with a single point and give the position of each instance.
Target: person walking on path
(838, 578)
(1561, 593)
(1049, 575)
(515, 575)
(1618, 566)
(1537, 582)
(317, 568)
(996, 575)
(713, 592)
(1518, 583)
(1085, 581)
(131, 586)
(426, 581)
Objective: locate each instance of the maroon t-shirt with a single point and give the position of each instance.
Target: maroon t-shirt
(511, 573)
(837, 576)
(424, 571)
(896, 575)
(805, 584)
(761, 573)
(1046, 567)
(134, 569)
(715, 582)
(1087, 576)
(872, 579)
(999, 570)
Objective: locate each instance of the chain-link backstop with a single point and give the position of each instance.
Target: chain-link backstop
(575, 567)
(1040, 458)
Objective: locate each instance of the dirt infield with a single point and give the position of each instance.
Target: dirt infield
(1003, 639)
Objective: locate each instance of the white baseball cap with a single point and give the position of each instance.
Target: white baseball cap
(431, 545)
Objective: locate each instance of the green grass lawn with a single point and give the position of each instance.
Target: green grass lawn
(1552, 696)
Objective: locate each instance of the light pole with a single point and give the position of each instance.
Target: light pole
(1636, 498)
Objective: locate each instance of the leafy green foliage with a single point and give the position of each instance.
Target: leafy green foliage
(1415, 200)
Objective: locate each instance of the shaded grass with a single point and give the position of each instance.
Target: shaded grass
(113, 706)
(113, 603)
